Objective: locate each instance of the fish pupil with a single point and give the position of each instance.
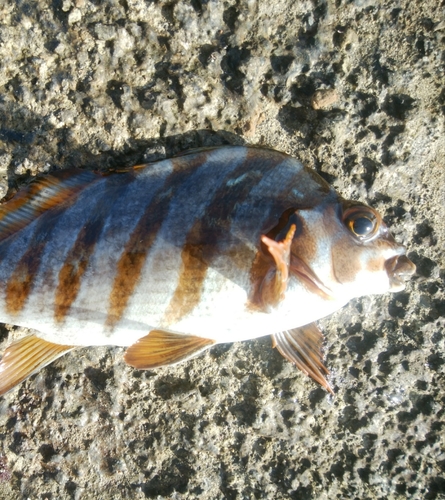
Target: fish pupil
(362, 226)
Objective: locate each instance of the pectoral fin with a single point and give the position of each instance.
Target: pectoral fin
(302, 346)
(274, 284)
(160, 348)
(25, 357)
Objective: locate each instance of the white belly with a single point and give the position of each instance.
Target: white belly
(222, 315)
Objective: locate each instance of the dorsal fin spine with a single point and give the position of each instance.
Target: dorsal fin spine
(42, 195)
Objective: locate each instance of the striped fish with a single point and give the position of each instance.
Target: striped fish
(169, 258)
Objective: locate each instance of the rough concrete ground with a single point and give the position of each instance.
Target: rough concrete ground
(354, 89)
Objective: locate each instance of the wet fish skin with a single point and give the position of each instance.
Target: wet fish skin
(169, 258)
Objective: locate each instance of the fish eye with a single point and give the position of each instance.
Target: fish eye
(361, 226)
(361, 221)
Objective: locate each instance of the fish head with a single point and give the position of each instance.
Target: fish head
(343, 249)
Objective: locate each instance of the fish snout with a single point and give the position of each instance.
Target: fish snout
(399, 269)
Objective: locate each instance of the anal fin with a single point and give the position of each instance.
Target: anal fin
(302, 346)
(160, 348)
(25, 357)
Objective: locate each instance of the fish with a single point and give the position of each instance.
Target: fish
(170, 258)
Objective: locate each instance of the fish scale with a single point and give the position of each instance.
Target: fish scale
(170, 258)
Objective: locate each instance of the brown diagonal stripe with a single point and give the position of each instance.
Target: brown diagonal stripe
(188, 290)
(74, 268)
(21, 282)
(204, 240)
(144, 235)
(76, 262)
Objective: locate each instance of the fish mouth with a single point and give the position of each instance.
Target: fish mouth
(399, 269)
(305, 274)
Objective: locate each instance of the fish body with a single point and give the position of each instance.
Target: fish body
(168, 258)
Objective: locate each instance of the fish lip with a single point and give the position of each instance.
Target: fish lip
(399, 268)
(305, 273)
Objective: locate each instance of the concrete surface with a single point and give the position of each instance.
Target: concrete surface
(354, 89)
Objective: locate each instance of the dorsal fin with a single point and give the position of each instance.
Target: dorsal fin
(41, 195)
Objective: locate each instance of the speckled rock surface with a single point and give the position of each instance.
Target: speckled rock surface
(354, 89)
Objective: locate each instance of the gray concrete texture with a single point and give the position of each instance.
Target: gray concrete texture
(355, 89)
